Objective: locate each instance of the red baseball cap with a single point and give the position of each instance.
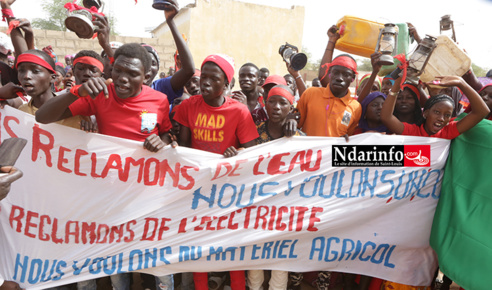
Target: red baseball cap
(225, 62)
(275, 79)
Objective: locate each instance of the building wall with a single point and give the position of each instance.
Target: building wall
(163, 34)
(247, 32)
(66, 42)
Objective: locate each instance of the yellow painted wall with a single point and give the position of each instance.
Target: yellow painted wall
(247, 32)
(164, 37)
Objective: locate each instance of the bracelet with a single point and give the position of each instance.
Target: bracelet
(298, 77)
(75, 91)
(6, 14)
(391, 93)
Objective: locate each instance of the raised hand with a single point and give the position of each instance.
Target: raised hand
(94, 86)
(376, 65)
(333, 34)
(447, 81)
(102, 29)
(240, 97)
(10, 90)
(171, 10)
(25, 25)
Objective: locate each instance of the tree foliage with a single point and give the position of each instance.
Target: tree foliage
(312, 64)
(479, 71)
(364, 64)
(56, 15)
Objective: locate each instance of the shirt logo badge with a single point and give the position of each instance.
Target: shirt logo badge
(149, 121)
(346, 118)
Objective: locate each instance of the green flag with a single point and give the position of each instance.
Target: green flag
(462, 229)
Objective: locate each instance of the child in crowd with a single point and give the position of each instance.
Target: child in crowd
(36, 73)
(58, 82)
(87, 64)
(453, 92)
(259, 114)
(291, 82)
(263, 75)
(486, 93)
(371, 114)
(11, 61)
(316, 83)
(68, 61)
(213, 122)
(248, 82)
(407, 108)
(331, 111)
(366, 80)
(386, 84)
(233, 127)
(437, 112)
(68, 80)
(192, 87)
(155, 62)
(279, 103)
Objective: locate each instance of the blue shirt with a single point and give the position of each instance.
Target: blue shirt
(164, 86)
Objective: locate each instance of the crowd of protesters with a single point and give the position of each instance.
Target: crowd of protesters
(94, 91)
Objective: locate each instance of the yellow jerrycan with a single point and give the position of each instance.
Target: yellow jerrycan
(358, 36)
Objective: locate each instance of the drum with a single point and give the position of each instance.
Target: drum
(80, 22)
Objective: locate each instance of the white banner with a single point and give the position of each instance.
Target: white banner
(91, 205)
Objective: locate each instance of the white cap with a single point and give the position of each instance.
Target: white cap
(114, 45)
(5, 44)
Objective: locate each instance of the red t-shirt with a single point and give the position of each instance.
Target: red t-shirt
(133, 118)
(214, 129)
(450, 131)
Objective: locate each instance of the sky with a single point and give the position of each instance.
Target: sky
(471, 19)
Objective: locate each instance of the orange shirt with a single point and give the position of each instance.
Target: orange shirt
(323, 114)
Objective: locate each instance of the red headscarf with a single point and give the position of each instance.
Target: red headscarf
(279, 91)
(483, 88)
(90, 61)
(27, 57)
(342, 60)
(413, 88)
